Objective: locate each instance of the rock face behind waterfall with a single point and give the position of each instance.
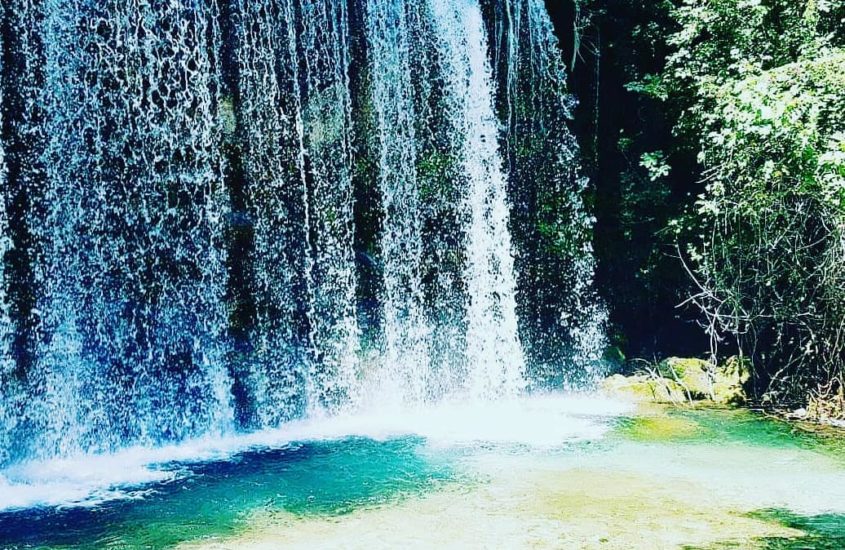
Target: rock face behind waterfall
(187, 186)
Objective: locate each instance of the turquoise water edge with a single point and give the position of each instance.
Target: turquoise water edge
(677, 477)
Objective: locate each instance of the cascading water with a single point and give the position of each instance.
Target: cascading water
(327, 122)
(561, 321)
(185, 181)
(8, 394)
(271, 129)
(130, 271)
(294, 111)
(21, 143)
(406, 331)
(470, 170)
(494, 355)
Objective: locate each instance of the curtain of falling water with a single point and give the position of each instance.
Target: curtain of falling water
(454, 101)
(494, 354)
(443, 221)
(269, 114)
(8, 385)
(405, 365)
(132, 270)
(561, 321)
(22, 140)
(327, 121)
(115, 156)
(296, 121)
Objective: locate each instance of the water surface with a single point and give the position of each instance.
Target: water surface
(547, 471)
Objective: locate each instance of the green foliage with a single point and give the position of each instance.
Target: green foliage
(650, 85)
(641, 181)
(761, 90)
(723, 41)
(656, 165)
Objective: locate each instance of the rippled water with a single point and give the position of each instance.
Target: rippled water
(213, 498)
(549, 471)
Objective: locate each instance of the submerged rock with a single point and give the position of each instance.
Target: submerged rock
(643, 387)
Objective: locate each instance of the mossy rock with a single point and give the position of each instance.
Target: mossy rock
(729, 381)
(722, 384)
(695, 375)
(682, 379)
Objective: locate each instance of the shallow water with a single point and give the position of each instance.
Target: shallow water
(547, 471)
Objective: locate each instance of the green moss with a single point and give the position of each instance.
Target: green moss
(729, 381)
(694, 375)
(677, 379)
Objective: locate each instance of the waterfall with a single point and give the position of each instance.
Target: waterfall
(406, 332)
(494, 354)
(21, 142)
(450, 97)
(131, 268)
(8, 386)
(192, 186)
(328, 139)
(295, 115)
(269, 114)
(561, 319)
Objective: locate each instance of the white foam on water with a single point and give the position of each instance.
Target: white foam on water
(541, 421)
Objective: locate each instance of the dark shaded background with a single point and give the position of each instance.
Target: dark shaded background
(639, 275)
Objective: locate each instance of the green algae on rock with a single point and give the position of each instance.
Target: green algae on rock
(676, 380)
(642, 387)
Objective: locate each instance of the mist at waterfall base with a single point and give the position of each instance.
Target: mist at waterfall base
(235, 227)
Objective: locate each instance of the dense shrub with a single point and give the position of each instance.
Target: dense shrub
(762, 90)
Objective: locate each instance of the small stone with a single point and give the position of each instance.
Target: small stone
(798, 413)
